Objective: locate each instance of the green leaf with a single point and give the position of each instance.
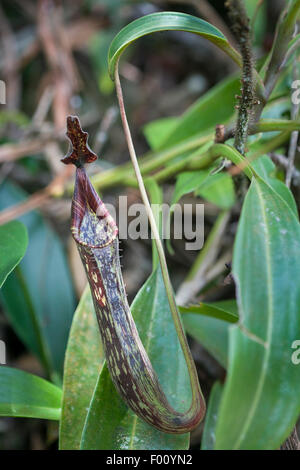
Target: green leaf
(210, 423)
(266, 170)
(277, 108)
(156, 198)
(264, 167)
(166, 21)
(225, 310)
(218, 189)
(206, 112)
(83, 362)
(261, 400)
(209, 325)
(13, 244)
(285, 193)
(260, 24)
(209, 331)
(188, 182)
(157, 131)
(167, 132)
(38, 296)
(110, 424)
(26, 395)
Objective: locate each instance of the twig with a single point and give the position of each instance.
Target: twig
(6, 169)
(52, 153)
(240, 26)
(43, 107)
(11, 76)
(105, 124)
(219, 267)
(78, 33)
(220, 133)
(37, 199)
(216, 270)
(11, 152)
(277, 59)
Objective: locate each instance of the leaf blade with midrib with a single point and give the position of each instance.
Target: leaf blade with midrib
(263, 386)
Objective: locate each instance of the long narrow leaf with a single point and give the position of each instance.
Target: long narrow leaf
(225, 310)
(13, 244)
(210, 423)
(83, 362)
(29, 396)
(210, 332)
(164, 133)
(266, 170)
(261, 400)
(166, 21)
(38, 296)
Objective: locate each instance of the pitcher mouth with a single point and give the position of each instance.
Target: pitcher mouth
(91, 223)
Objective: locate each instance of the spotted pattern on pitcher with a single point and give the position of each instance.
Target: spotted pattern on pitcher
(95, 233)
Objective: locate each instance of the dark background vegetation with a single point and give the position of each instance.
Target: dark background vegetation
(53, 60)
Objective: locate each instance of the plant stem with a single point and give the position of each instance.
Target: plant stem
(226, 151)
(200, 155)
(156, 197)
(240, 26)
